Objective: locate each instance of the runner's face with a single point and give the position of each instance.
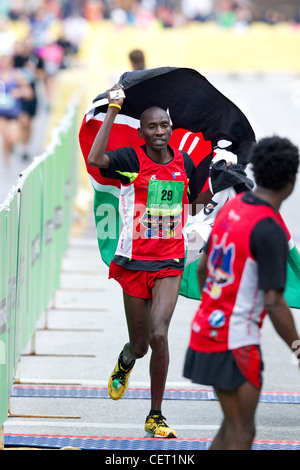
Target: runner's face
(156, 129)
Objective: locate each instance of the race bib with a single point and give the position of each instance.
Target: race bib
(165, 197)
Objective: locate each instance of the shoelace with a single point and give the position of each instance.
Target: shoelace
(121, 374)
(159, 420)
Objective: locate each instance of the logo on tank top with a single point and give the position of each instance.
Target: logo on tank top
(217, 319)
(220, 267)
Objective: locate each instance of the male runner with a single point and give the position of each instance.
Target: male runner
(242, 277)
(157, 185)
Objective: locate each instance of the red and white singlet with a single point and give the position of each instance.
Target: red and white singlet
(154, 209)
(232, 309)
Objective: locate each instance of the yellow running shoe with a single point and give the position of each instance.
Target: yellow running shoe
(156, 426)
(118, 381)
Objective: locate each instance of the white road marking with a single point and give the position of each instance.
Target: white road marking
(103, 383)
(11, 422)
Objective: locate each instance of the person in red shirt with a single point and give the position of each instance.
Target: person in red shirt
(242, 276)
(158, 183)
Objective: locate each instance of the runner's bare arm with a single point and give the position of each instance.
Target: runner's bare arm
(281, 318)
(202, 271)
(97, 156)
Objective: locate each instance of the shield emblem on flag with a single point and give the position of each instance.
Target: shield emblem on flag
(201, 116)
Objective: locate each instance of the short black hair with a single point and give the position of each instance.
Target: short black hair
(275, 162)
(137, 58)
(151, 109)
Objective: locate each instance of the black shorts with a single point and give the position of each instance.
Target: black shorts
(226, 370)
(29, 107)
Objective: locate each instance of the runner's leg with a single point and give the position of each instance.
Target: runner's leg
(238, 428)
(137, 316)
(164, 297)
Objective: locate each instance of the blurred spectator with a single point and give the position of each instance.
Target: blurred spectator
(13, 88)
(118, 17)
(165, 14)
(5, 6)
(243, 14)
(75, 29)
(68, 6)
(7, 37)
(225, 13)
(52, 55)
(233, 14)
(197, 10)
(93, 10)
(53, 7)
(273, 17)
(144, 17)
(137, 59)
(32, 66)
(69, 51)
(40, 22)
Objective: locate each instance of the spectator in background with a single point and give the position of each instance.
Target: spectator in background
(235, 14)
(165, 14)
(197, 10)
(75, 29)
(137, 59)
(32, 66)
(5, 6)
(52, 55)
(7, 37)
(40, 21)
(14, 88)
(93, 10)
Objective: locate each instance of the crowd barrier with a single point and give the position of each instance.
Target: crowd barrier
(35, 222)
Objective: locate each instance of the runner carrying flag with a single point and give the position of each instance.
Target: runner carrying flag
(158, 182)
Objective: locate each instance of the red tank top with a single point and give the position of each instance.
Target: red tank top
(154, 209)
(232, 308)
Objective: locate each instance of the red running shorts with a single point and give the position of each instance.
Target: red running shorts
(249, 361)
(139, 283)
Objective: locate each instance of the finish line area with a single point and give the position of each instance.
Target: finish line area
(84, 442)
(125, 444)
(51, 391)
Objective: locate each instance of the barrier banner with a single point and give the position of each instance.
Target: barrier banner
(67, 159)
(29, 305)
(3, 319)
(49, 282)
(35, 221)
(9, 236)
(59, 164)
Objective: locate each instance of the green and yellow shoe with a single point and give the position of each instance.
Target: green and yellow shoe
(118, 381)
(156, 426)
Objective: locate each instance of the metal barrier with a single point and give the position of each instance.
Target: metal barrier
(35, 221)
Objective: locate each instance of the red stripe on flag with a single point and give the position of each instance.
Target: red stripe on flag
(193, 143)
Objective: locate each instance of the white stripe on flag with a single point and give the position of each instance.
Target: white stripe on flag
(105, 188)
(184, 139)
(193, 145)
(119, 119)
(291, 243)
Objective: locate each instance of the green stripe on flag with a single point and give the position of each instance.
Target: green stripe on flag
(292, 290)
(189, 285)
(190, 289)
(108, 223)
